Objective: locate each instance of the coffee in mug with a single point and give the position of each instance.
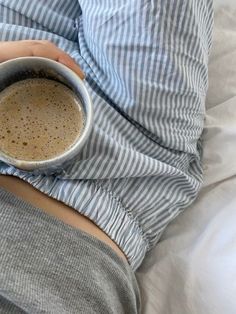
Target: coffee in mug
(39, 119)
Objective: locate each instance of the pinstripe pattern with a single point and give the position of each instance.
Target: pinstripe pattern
(146, 69)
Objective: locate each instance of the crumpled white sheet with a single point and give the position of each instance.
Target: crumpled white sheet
(193, 269)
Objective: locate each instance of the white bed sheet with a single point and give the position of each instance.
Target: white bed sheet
(193, 269)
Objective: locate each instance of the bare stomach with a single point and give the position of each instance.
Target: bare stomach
(55, 208)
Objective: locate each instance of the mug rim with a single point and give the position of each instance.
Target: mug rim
(76, 147)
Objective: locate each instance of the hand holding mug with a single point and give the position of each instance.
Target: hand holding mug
(37, 48)
(24, 64)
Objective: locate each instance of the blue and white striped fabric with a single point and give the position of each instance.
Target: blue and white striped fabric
(146, 69)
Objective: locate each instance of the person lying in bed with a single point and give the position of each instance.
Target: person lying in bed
(71, 242)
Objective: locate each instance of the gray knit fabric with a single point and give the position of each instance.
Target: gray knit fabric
(47, 266)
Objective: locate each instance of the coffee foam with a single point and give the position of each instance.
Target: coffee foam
(39, 119)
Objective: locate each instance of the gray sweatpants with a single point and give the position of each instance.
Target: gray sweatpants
(46, 266)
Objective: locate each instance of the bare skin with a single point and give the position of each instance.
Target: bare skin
(37, 48)
(25, 48)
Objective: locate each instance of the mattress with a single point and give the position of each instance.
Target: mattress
(193, 268)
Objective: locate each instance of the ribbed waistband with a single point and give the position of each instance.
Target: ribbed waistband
(96, 203)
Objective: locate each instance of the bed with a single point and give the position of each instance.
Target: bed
(193, 269)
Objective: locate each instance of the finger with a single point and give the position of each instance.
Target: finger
(37, 48)
(49, 50)
(70, 63)
(10, 50)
